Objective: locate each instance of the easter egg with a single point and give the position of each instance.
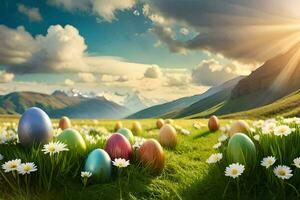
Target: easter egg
(34, 127)
(136, 128)
(98, 163)
(73, 139)
(118, 125)
(169, 121)
(168, 136)
(118, 146)
(239, 126)
(64, 123)
(213, 123)
(160, 123)
(127, 133)
(241, 150)
(151, 155)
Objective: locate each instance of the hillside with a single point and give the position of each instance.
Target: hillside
(177, 107)
(59, 104)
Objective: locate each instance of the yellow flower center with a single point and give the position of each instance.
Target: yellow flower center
(270, 162)
(51, 148)
(26, 168)
(13, 165)
(234, 171)
(281, 172)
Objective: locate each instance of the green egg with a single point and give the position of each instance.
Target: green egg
(127, 133)
(73, 139)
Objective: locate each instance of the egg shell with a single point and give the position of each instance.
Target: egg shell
(160, 123)
(151, 155)
(98, 163)
(241, 150)
(34, 127)
(169, 121)
(136, 128)
(168, 136)
(239, 126)
(118, 125)
(213, 123)
(73, 139)
(127, 133)
(64, 123)
(118, 146)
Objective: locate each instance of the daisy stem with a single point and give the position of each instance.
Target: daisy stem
(51, 174)
(225, 190)
(238, 188)
(120, 187)
(26, 183)
(8, 182)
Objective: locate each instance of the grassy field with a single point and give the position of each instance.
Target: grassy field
(186, 174)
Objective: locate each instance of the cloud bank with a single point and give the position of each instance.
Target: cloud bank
(33, 14)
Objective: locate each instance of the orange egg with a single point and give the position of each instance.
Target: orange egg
(213, 123)
(239, 126)
(136, 128)
(160, 123)
(151, 155)
(64, 123)
(118, 125)
(169, 121)
(168, 136)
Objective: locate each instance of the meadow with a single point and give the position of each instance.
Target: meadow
(186, 175)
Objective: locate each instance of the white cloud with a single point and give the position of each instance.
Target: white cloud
(106, 9)
(152, 72)
(86, 77)
(69, 82)
(6, 77)
(32, 13)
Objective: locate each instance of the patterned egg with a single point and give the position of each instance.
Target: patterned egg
(64, 123)
(73, 139)
(127, 133)
(98, 163)
(151, 155)
(213, 123)
(168, 136)
(34, 127)
(118, 146)
(241, 150)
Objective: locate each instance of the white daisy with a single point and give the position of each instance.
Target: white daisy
(86, 174)
(26, 168)
(283, 172)
(225, 129)
(282, 130)
(297, 162)
(268, 128)
(54, 147)
(256, 137)
(1, 157)
(216, 157)
(120, 162)
(138, 142)
(11, 165)
(268, 161)
(258, 124)
(234, 170)
(218, 145)
(222, 138)
(185, 131)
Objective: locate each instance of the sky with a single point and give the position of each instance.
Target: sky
(159, 49)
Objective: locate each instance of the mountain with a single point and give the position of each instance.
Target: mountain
(174, 108)
(59, 104)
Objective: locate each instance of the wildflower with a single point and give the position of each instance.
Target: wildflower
(268, 161)
(1, 157)
(185, 131)
(258, 124)
(282, 130)
(120, 162)
(234, 170)
(138, 142)
(297, 162)
(11, 165)
(218, 145)
(283, 172)
(86, 174)
(26, 168)
(54, 147)
(256, 137)
(268, 127)
(225, 129)
(222, 138)
(216, 157)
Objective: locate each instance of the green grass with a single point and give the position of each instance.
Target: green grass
(186, 175)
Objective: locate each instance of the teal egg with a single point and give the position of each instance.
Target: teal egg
(127, 133)
(241, 150)
(73, 139)
(98, 163)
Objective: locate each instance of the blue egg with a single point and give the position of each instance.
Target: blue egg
(34, 127)
(98, 163)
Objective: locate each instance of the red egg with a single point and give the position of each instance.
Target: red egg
(213, 123)
(117, 146)
(151, 155)
(64, 123)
